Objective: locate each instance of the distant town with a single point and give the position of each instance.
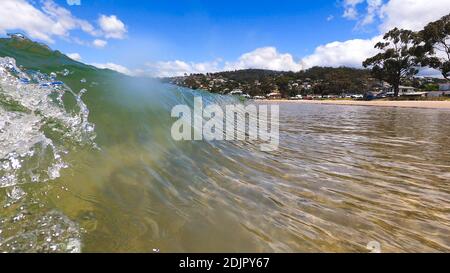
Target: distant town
(314, 83)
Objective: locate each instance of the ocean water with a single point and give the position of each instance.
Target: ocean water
(96, 170)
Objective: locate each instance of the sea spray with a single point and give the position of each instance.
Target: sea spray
(36, 133)
(32, 120)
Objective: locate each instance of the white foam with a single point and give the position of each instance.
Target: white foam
(22, 129)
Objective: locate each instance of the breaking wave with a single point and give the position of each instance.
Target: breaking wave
(343, 176)
(37, 130)
(33, 124)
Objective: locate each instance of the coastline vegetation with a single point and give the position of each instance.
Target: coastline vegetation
(404, 52)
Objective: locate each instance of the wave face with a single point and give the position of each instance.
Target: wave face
(90, 165)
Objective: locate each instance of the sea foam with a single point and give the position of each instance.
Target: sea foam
(36, 133)
(31, 109)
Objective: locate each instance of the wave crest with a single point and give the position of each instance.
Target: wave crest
(36, 129)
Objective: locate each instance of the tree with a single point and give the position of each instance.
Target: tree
(396, 60)
(434, 47)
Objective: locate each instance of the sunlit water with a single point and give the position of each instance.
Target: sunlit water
(106, 176)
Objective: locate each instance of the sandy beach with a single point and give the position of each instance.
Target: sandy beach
(407, 104)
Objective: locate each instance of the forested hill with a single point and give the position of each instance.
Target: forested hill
(317, 80)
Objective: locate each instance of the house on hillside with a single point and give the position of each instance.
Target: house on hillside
(236, 92)
(409, 91)
(415, 94)
(274, 96)
(405, 90)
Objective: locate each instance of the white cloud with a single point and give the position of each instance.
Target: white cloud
(74, 2)
(112, 27)
(265, 58)
(98, 43)
(412, 14)
(408, 14)
(26, 17)
(116, 67)
(49, 20)
(348, 53)
(350, 8)
(373, 8)
(261, 58)
(39, 24)
(179, 68)
(330, 18)
(350, 13)
(64, 21)
(74, 56)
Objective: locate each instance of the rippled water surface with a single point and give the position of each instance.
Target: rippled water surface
(343, 176)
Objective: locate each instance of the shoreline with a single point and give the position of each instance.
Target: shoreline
(402, 104)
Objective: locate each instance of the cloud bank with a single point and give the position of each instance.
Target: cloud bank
(261, 58)
(50, 20)
(265, 58)
(74, 56)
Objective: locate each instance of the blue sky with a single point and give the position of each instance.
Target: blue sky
(203, 30)
(161, 37)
